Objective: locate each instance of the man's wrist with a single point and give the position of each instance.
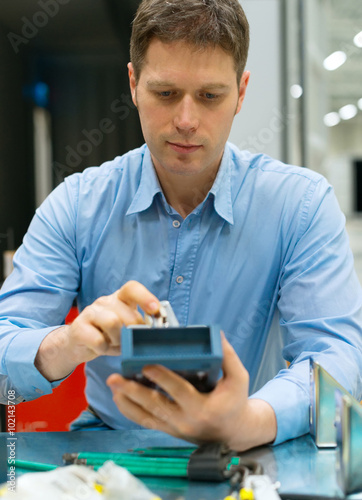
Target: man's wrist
(258, 426)
(53, 359)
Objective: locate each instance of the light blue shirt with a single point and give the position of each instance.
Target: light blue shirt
(265, 256)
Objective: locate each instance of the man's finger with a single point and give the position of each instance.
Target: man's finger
(110, 320)
(140, 404)
(173, 384)
(150, 399)
(135, 294)
(138, 414)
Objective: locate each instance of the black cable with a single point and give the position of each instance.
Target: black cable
(237, 480)
(240, 472)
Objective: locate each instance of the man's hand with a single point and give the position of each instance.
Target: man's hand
(95, 332)
(225, 414)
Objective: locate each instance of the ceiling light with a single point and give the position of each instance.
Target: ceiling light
(296, 91)
(358, 39)
(347, 112)
(359, 103)
(335, 60)
(331, 119)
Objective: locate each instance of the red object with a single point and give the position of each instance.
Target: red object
(54, 412)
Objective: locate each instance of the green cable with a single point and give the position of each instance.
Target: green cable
(35, 466)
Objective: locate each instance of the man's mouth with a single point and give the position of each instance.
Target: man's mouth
(184, 148)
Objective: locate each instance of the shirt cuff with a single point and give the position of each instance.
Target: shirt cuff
(19, 361)
(290, 402)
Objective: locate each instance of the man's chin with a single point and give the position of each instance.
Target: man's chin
(184, 170)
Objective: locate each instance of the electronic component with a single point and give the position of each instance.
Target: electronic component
(194, 352)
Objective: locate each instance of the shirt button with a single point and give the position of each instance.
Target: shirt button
(39, 391)
(179, 279)
(176, 223)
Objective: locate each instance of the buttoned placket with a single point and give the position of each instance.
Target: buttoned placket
(185, 246)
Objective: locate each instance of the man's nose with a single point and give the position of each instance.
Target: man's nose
(186, 118)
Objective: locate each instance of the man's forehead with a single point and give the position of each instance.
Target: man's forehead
(180, 49)
(168, 64)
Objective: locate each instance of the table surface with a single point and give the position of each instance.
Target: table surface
(298, 465)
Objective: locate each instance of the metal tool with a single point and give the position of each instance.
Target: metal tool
(164, 319)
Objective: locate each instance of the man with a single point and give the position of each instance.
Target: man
(230, 238)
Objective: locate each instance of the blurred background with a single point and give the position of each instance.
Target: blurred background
(65, 105)
(65, 102)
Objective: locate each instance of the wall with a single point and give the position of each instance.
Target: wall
(260, 124)
(345, 146)
(284, 52)
(330, 151)
(316, 98)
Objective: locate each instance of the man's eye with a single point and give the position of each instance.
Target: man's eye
(165, 93)
(210, 97)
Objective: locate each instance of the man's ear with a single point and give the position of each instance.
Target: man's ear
(242, 89)
(132, 82)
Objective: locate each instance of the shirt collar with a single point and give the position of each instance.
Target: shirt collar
(149, 186)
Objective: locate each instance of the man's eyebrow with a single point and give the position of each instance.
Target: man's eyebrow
(159, 83)
(216, 86)
(208, 86)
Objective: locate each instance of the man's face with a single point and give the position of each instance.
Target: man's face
(187, 99)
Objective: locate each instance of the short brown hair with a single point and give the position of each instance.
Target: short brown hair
(202, 23)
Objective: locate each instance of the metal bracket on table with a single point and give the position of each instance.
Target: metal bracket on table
(323, 406)
(349, 442)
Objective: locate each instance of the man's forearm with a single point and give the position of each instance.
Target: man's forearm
(54, 359)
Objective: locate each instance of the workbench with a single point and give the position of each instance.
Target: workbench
(297, 464)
